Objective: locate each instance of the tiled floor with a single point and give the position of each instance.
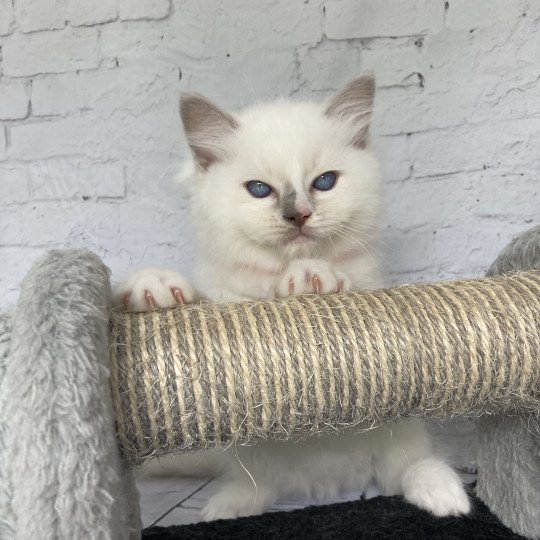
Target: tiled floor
(163, 498)
(178, 501)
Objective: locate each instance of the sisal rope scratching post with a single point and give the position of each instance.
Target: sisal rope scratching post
(205, 375)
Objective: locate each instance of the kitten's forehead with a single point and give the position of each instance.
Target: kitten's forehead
(284, 141)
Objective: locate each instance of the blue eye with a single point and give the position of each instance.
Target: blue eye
(326, 181)
(258, 189)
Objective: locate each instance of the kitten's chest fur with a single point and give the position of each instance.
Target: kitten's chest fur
(234, 281)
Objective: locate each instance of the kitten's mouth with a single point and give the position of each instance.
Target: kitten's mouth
(300, 236)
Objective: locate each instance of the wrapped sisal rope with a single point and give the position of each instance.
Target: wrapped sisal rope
(209, 374)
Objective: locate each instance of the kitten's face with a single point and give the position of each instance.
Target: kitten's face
(288, 178)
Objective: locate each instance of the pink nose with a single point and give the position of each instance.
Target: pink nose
(298, 218)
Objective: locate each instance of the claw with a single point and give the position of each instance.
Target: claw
(317, 283)
(150, 300)
(291, 286)
(340, 286)
(179, 297)
(125, 301)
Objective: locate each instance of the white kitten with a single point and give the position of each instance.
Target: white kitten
(285, 201)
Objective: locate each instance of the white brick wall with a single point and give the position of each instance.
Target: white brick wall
(6, 16)
(143, 9)
(90, 137)
(353, 19)
(13, 100)
(3, 143)
(59, 51)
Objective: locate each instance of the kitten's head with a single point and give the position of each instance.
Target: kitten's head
(287, 179)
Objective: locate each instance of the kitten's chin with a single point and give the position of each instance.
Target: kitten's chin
(303, 244)
(301, 240)
(300, 236)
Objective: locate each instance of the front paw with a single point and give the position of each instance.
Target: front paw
(152, 288)
(236, 500)
(434, 486)
(307, 276)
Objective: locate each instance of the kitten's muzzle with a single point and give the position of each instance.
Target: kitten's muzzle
(296, 218)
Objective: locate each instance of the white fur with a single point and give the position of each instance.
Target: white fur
(160, 283)
(284, 143)
(306, 276)
(396, 457)
(247, 251)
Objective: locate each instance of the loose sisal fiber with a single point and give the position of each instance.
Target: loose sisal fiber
(208, 374)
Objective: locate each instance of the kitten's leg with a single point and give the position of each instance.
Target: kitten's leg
(405, 465)
(238, 498)
(434, 486)
(151, 288)
(305, 276)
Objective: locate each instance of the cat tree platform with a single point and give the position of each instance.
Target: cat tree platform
(87, 394)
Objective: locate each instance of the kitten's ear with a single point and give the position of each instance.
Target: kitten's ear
(355, 105)
(205, 125)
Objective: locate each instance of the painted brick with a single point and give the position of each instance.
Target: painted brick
(481, 60)
(103, 91)
(165, 185)
(143, 9)
(346, 19)
(394, 65)
(50, 52)
(393, 156)
(59, 225)
(122, 136)
(406, 110)
(464, 249)
(143, 216)
(65, 179)
(469, 14)
(6, 16)
(463, 55)
(279, 25)
(509, 146)
(91, 11)
(13, 100)
(32, 15)
(464, 197)
(512, 99)
(411, 109)
(3, 142)
(276, 77)
(52, 138)
(140, 44)
(14, 185)
(265, 25)
(328, 65)
(441, 252)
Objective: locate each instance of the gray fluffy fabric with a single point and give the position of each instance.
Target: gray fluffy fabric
(61, 474)
(509, 448)
(522, 253)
